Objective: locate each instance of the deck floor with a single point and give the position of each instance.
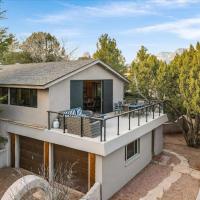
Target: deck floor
(111, 124)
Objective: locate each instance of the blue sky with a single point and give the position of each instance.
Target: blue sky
(160, 25)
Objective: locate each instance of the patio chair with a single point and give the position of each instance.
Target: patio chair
(118, 107)
(73, 113)
(90, 129)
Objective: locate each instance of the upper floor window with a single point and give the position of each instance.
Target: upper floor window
(132, 149)
(3, 95)
(23, 97)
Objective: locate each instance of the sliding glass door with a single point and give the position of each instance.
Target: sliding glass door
(95, 95)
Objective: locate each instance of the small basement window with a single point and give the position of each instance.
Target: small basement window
(132, 150)
(23, 97)
(3, 95)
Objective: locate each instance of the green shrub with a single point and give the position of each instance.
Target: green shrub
(3, 140)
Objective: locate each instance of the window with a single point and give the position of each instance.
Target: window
(4, 95)
(23, 97)
(132, 149)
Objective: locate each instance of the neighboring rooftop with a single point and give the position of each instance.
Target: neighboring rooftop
(40, 74)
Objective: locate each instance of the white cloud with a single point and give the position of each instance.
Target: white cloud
(119, 9)
(184, 28)
(173, 3)
(113, 9)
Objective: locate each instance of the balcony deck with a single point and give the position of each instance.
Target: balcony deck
(112, 126)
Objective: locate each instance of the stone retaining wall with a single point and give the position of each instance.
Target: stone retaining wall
(171, 128)
(20, 187)
(94, 193)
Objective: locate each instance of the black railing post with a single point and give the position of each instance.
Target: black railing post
(159, 108)
(101, 124)
(49, 120)
(138, 117)
(129, 121)
(104, 130)
(117, 125)
(153, 110)
(64, 123)
(81, 126)
(146, 110)
(163, 107)
(133, 114)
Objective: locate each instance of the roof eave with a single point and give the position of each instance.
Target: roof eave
(112, 70)
(23, 86)
(83, 68)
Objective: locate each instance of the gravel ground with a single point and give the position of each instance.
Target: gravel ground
(172, 159)
(186, 188)
(176, 143)
(146, 180)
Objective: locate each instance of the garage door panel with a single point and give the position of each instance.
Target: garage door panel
(30, 143)
(34, 149)
(30, 157)
(80, 170)
(31, 166)
(31, 154)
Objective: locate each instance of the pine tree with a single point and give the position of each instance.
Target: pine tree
(108, 52)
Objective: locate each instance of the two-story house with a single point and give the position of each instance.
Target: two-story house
(33, 96)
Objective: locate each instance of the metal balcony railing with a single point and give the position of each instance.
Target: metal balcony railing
(146, 111)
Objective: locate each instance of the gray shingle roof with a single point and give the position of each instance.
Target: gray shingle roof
(38, 74)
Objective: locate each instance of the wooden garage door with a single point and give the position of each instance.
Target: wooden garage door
(65, 155)
(31, 154)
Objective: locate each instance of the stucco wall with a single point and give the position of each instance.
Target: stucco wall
(3, 157)
(27, 114)
(116, 173)
(158, 140)
(94, 193)
(59, 94)
(57, 97)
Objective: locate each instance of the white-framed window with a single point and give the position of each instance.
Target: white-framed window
(132, 149)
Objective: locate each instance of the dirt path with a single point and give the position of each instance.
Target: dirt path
(185, 188)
